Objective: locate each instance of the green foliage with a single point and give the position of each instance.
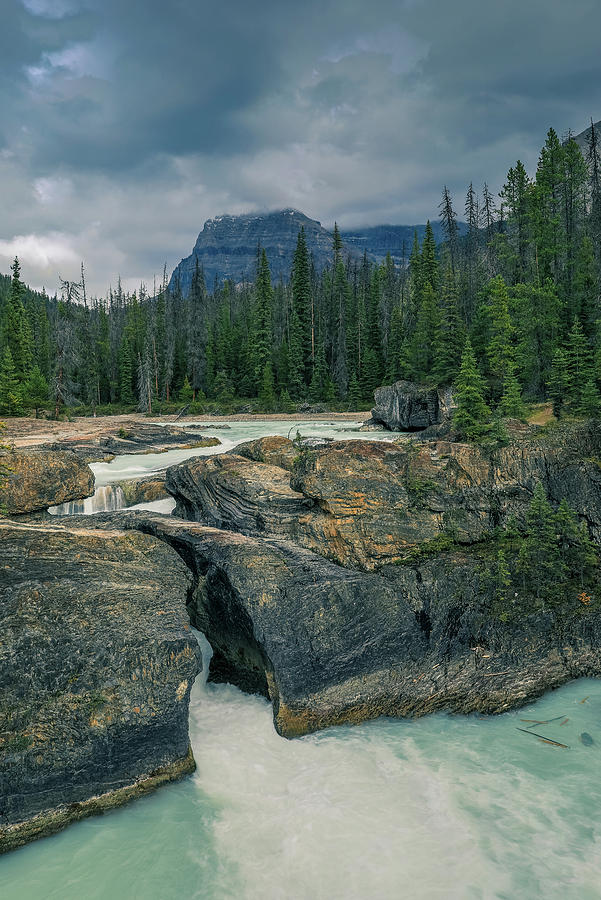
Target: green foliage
(523, 283)
(186, 394)
(267, 393)
(11, 399)
(511, 404)
(472, 416)
(35, 391)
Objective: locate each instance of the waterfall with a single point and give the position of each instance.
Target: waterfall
(105, 499)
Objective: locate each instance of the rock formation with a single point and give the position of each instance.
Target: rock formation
(96, 664)
(37, 479)
(405, 406)
(356, 584)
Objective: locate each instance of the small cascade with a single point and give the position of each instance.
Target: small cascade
(106, 498)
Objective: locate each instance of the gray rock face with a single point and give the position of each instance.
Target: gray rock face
(96, 664)
(227, 247)
(37, 479)
(331, 645)
(406, 406)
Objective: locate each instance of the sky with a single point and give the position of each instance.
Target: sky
(125, 124)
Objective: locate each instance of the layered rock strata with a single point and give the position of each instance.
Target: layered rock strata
(354, 582)
(366, 503)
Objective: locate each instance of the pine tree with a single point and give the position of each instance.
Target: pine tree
(11, 401)
(539, 562)
(15, 329)
(500, 353)
(590, 401)
(35, 391)
(578, 363)
(126, 394)
(186, 394)
(558, 381)
(267, 392)
(472, 416)
(511, 404)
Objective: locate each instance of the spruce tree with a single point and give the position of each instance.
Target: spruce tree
(186, 394)
(354, 393)
(575, 546)
(578, 363)
(558, 381)
(451, 333)
(302, 310)
(511, 404)
(35, 391)
(267, 392)
(472, 416)
(426, 337)
(11, 400)
(500, 353)
(263, 323)
(590, 401)
(15, 329)
(540, 562)
(126, 394)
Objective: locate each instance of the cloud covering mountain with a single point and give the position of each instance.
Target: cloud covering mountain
(126, 125)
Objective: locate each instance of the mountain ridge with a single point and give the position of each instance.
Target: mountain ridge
(226, 247)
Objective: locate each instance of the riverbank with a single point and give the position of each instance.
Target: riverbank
(30, 432)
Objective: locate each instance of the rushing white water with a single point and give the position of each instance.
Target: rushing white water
(460, 808)
(106, 498)
(138, 465)
(441, 807)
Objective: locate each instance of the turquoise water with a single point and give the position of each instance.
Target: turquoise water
(135, 465)
(441, 807)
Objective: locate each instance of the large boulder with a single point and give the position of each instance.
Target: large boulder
(37, 479)
(406, 406)
(96, 663)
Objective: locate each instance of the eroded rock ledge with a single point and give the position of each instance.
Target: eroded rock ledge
(96, 664)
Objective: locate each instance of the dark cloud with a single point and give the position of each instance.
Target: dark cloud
(125, 125)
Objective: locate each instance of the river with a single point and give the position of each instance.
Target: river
(460, 808)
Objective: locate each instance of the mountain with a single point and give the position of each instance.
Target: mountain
(379, 240)
(227, 245)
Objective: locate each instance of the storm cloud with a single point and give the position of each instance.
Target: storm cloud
(125, 126)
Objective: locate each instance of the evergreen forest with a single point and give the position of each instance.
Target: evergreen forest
(509, 312)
